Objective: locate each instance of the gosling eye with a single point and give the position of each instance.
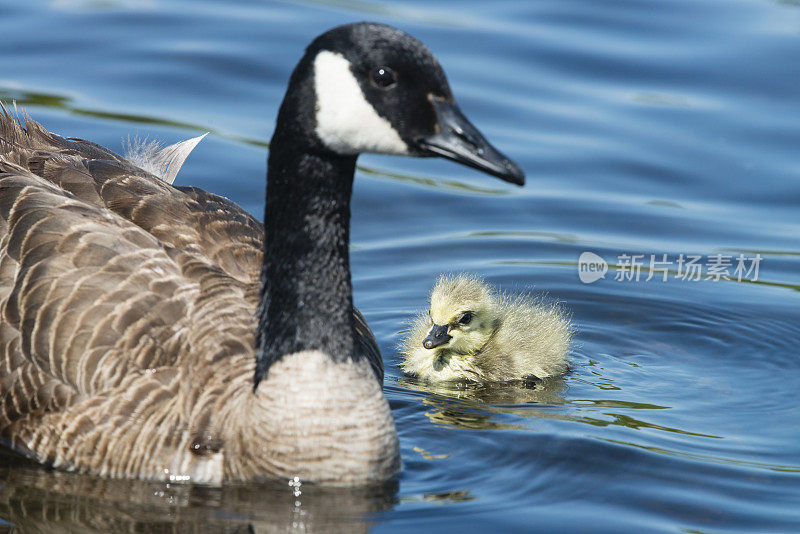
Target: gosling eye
(382, 78)
(465, 318)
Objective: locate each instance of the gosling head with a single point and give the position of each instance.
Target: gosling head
(464, 313)
(368, 87)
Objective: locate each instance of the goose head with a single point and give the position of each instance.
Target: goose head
(368, 87)
(464, 313)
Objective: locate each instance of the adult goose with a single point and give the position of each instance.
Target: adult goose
(159, 332)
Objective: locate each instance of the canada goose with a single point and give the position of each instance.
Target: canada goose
(473, 332)
(159, 332)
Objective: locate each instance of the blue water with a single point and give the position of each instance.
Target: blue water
(645, 127)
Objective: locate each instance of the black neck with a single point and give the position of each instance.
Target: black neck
(306, 293)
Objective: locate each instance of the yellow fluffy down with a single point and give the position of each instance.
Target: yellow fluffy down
(506, 338)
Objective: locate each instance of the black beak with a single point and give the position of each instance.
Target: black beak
(437, 336)
(461, 142)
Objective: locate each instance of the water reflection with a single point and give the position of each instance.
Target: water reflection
(477, 406)
(473, 405)
(706, 458)
(536, 391)
(446, 497)
(35, 499)
(618, 419)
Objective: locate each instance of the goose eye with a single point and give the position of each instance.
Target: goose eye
(383, 77)
(465, 318)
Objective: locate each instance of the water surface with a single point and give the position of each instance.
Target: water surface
(658, 127)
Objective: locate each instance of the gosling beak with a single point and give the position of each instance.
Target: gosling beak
(437, 336)
(461, 142)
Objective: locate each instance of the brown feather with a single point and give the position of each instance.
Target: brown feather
(128, 314)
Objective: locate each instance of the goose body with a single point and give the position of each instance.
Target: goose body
(160, 332)
(473, 332)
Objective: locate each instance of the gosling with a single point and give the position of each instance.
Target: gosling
(473, 332)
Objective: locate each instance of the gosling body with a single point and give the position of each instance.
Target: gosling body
(474, 332)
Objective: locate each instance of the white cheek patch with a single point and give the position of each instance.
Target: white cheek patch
(346, 122)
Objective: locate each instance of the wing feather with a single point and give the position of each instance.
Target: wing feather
(107, 275)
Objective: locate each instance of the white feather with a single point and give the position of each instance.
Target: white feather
(162, 162)
(346, 122)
